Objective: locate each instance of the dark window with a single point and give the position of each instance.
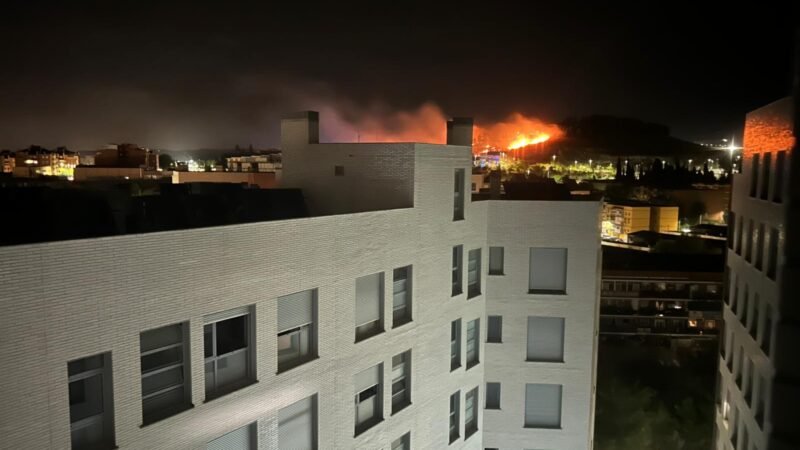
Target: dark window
(780, 167)
(754, 163)
(765, 176)
(338, 171)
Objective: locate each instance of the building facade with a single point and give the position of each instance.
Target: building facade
(401, 314)
(759, 373)
(623, 218)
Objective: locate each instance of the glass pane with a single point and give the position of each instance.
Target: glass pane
(231, 335)
(85, 364)
(208, 340)
(162, 359)
(231, 369)
(85, 398)
(161, 337)
(210, 381)
(88, 436)
(162, 380)
(163, 403)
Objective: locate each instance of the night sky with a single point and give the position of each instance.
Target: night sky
(184, 76)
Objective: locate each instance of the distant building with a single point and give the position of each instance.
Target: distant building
(269, 161)
(759, 369)
(8, 161)
(84, 173)
(37, 161)
(670, 295)
(623, 218)
(263, 180)
(126, 155)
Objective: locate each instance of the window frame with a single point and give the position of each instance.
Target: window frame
(474, 288)
(250, 375)
(184, 364)
(105, 417)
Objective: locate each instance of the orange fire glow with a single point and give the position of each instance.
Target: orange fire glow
(515, 133)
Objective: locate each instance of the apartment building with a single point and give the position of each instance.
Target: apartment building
(759, 372)
(399, 314)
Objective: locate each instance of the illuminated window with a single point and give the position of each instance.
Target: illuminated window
(692, 323)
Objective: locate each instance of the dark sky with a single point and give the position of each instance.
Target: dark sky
(180, 76)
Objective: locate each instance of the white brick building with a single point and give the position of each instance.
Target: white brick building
(759, 372)
(333, 330)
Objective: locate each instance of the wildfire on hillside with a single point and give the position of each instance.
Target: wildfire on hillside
(517, 135)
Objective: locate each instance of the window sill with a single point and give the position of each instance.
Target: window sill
(456, 293)
(469, 433)
(295, 364)
(546, 292)
(494, 342)
(472, 295)
(545, 361)
(454, 368)
(366, 426)
(500, 274)
(229, 390)
(473, 364)
(542, 427)
(492, 409)
(453, 439)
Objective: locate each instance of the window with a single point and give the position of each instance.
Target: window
(495, 260)
(455, 344)
(731, 356)
(492, 395)
(401, 381)
(767, 165)
(403, 442)
(766, 340)
(297, 329)
(245, 438)
(297, 425)
(338, 171)
(761, 401)
(458, 260)
(543, 405)
(369, 306)
(401, 296)
(473, 342)
(739, 234)
(228, 354)
(780, 167)
(731, 228)
(91, 411)
(772, 254)
(368, 398)
(759, 243)
(545, 339)
(165, 391)
(547, 271)
(750, 379)
(754, 323)
(455, 422)
(458, 195)
(494, 329)
(474, 273)
(744, 305)
(738, 366)
(754, 169)
(748, 249)
(470, 413)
